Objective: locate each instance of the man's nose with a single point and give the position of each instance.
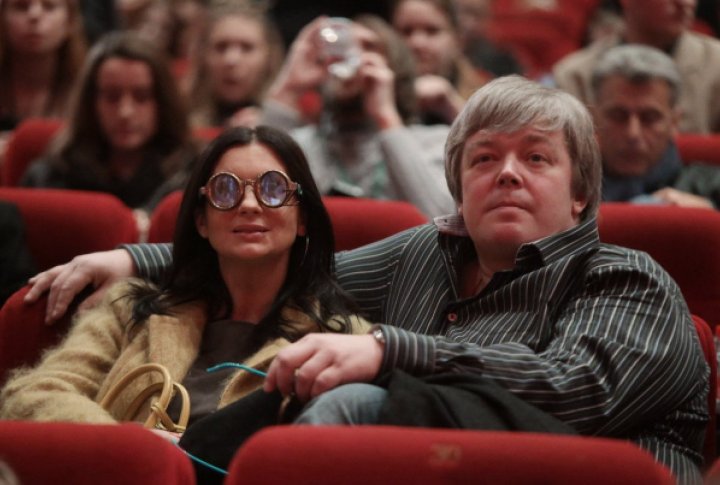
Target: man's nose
(634, 126)
(509, 175)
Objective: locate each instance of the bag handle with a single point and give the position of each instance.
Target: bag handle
(158, 417)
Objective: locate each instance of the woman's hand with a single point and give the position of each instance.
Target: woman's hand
(66, 281)
(436, 95)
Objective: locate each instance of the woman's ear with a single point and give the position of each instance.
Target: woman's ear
(201, 224)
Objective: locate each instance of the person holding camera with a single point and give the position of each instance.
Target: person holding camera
(365, 142)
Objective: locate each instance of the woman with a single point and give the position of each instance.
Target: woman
(42, 47)
(446, 78)
(238, 54)
(253, 271)
(127, 133)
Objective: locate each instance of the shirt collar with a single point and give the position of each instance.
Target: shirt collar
(547, 250)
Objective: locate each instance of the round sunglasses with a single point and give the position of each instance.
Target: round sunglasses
(272, 189)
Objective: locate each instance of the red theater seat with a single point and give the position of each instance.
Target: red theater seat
(28, 142)
(61, 224)
(358, 455)
(699, 148)
(80, 454)
(684, 241)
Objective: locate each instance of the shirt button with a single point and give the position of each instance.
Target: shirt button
(452, 317)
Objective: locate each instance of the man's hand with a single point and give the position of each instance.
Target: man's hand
(378, 82)
(65, 281)
(319, 362)
(682, 199)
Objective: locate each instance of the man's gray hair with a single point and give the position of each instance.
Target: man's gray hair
(511, 103)
(637, 63)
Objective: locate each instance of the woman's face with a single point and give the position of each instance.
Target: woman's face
(250, 232)
(36, 27)
(429, 34)
(237, 59)
(125, 103)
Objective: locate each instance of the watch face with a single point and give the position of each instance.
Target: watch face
(379, 335)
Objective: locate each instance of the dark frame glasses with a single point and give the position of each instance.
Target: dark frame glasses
(272, 189)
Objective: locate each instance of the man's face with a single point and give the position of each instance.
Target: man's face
(635, 122)
(516, 189)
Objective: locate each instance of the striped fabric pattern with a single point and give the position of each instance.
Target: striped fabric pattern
(597, 335)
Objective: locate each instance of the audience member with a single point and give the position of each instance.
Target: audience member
(365, 143)
(254, 271)
(514, 298)
(127, 133)
(446, 78)
(636, 115)
(475, 17)
(238, 55)
(697, 58)
(42, 47)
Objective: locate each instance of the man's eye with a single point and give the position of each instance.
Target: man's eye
(537, 158)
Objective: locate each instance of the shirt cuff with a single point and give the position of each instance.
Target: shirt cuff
(411, 352)
(151, 260)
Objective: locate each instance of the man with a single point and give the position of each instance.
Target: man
(515, 290)
(636, 89)
(663, 24)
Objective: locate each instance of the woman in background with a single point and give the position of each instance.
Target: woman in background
(127, 134)
(237, 57)
(446, 78)
(42, 46)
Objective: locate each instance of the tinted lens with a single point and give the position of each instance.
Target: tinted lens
(273, 189)
(224, 191)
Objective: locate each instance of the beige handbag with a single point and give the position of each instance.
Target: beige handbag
(158, 417)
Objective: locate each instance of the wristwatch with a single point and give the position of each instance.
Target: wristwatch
(377, 333)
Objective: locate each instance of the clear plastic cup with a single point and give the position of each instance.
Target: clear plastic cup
(340, 49)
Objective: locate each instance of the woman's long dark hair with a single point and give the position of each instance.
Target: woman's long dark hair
(195, 276)
(82, 147)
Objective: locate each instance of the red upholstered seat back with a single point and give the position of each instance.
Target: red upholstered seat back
(28, 142)
(356, 222)
(23, 333)
(358, 455)
(684, 241)
(699, 148)
(163, 218)
(84, 454)
(61, 224)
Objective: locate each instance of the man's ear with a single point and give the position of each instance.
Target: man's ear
(578, 205)
(201, 223)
